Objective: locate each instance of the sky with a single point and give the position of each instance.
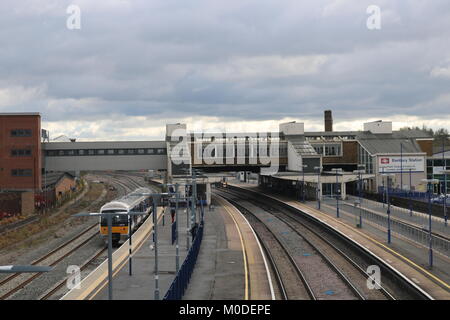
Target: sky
(134, 65)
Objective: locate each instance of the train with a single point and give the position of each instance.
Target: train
(133, 201)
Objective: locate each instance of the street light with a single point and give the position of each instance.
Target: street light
(319, 170)
(410, 193)
(360, 171)
(387, 175)
(429, 183)
(445, 195)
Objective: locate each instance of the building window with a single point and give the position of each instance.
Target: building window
(21, 133)
(21, 152)
(21, 172)
(328, 150)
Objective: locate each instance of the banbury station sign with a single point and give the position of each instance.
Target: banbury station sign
(398, 164)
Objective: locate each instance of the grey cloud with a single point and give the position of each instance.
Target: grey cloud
(154, 58)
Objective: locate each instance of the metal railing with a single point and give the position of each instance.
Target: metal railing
(181, 281)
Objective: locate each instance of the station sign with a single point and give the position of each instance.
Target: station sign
(398, 164)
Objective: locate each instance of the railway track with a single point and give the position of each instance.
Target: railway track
(62, 283)
(290, 280)
(320, 276)
(394, 285)
(14, 283)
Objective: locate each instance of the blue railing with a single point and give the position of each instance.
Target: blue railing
(404, 193)
(181, 281)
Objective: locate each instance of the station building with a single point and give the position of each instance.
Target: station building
(20, 151)
(286, 156)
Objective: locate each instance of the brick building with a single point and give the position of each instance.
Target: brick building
(20, 152)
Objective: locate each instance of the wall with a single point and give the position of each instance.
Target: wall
(349, 154)
(64, 185)
(105, 162)
(8, 162)
(27, 203)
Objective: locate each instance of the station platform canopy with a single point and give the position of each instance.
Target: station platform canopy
(325, 177)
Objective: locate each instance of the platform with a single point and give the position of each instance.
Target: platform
(415, 273)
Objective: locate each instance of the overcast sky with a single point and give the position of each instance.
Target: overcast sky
(136, 65)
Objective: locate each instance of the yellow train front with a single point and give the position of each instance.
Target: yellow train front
(134, 202)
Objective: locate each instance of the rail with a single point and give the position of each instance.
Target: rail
(181, 281)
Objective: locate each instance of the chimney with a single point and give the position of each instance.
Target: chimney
(328, 121)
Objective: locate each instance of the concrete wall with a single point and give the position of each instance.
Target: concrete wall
(27, 203)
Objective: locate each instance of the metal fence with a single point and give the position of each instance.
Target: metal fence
(417, 234)
(181, 281)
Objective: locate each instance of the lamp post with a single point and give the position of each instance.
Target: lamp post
(360, 171)
(319, 170)
(337, 171)
(410, 193)
(388, 175)
(445, 197)
(430, 183)
(401, 166)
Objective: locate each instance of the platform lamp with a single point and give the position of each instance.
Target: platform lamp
(446, 172)
(361, 170)
(430, 183)
(319, 171)
(24, 269)
(388, 175)
(337, 171)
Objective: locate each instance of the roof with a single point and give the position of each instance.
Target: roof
(395, 142)
(20, 114)
(52, 178)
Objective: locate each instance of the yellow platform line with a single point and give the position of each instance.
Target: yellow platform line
(426, 272)
(244, 255)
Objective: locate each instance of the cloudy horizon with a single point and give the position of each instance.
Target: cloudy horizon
(236, 65)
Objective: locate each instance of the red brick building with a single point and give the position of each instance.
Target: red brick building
(20, 151)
